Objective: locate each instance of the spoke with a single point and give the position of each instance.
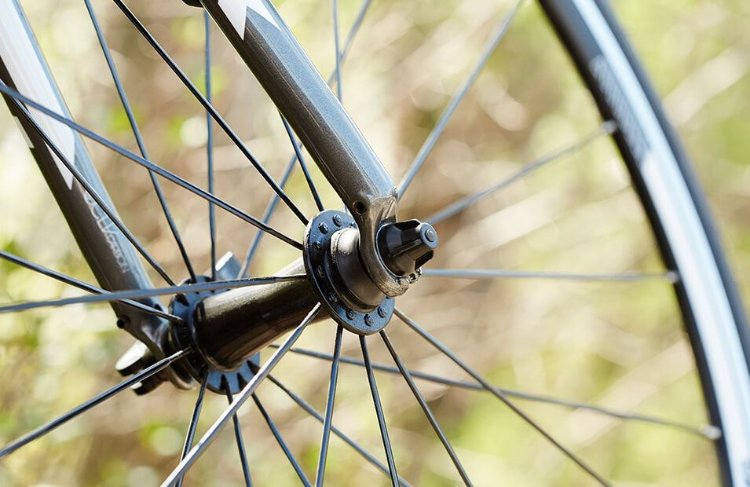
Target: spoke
(95, 196)
(323, 456)
(302, 163)
(190, 436)
(281, 442)
(209, 108)
(315, 414)
(607, 128)
(267, 214)
(85, 286)
(210, 144)
(425, 408)
(244, 394)
(148, 164)
(379, 412)
(337, 71)
(138, 137)
(477, 274)
(48, 427)
(106, 296)
(445, 117)
(351, 36)
(709, 432)
(238, 438)
(275, 198)
(502, 397)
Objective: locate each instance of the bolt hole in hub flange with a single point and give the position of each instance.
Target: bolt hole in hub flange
(195, 365)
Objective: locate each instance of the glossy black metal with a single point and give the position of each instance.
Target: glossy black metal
(217, 379)
(227, 328)
(275, 57)
(231, 326)
(339, 277)
(406, 246)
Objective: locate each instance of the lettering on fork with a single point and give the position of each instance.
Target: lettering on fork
(110, 232)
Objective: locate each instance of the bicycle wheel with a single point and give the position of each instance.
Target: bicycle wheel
(599, 335)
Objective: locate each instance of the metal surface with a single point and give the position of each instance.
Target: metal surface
(106, 250)
(269, 49)
(220, 380)
(229, 327)
(330, 287)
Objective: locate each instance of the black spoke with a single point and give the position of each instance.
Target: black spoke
(351, 36)
(323, 456)
(302, 163)
(709, 432)
(445, 117)
(48, 427)
(190, 436)
(379, 412)
(502, 397)
(425, 408)
(607, 128)
(95, 196)
(282, 444)
(106, 296)
(315, 414)
(209, 108)
(244, 394)
(150, 165)
(210, 144)
(476, 274)
(273, 203)
(238, 439)
(337, 70)
(138, 137)
(85, 286)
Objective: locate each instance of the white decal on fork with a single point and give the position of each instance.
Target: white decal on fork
(31, 78)
(236, 12)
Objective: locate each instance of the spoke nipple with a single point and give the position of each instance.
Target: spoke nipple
(323, 227)
(318, 244)
(337, 220)
(381, 312)
(349, 313)
(320, 271)
(368, 320)
(333, 298)
(711, 432)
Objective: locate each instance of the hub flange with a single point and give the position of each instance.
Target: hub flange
(195, 364)
(330, 285)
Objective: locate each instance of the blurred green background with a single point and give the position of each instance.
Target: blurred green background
(619, 345)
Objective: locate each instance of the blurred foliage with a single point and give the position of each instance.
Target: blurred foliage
(619, 345)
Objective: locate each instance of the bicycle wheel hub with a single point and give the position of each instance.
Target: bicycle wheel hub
(217, 379)
(335, 270)
(225, 328)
